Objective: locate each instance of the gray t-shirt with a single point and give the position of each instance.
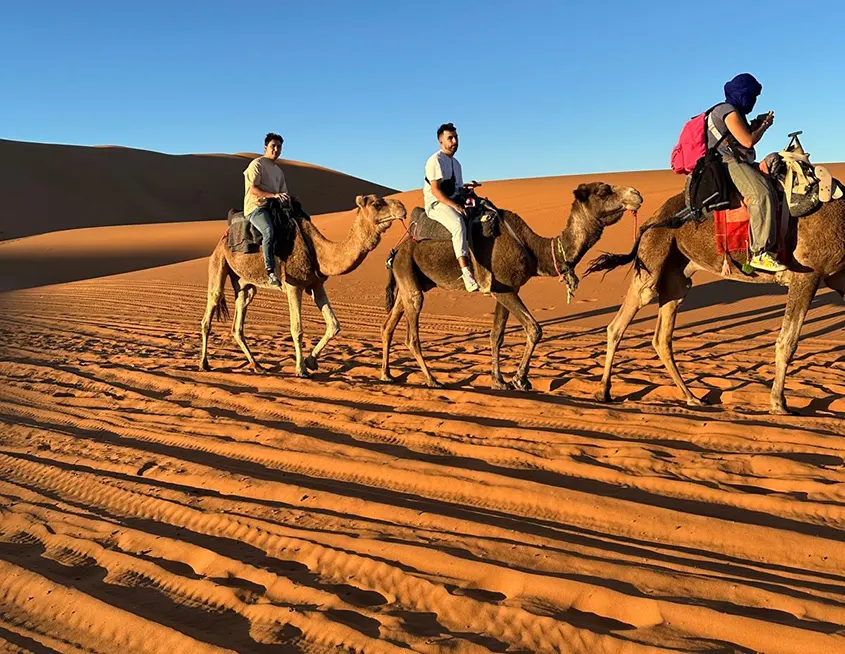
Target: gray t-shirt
(716, 127)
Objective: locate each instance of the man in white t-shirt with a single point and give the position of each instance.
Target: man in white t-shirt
(263, 180)
(443, 179)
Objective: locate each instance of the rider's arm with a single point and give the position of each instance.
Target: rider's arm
(252, 175)
(442, 197)
(257, 192)
(739, 130)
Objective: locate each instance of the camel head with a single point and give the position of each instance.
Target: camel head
(376, 214)
(606, 203)
(596, 206)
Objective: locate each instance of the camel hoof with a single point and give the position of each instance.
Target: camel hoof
(694, 401)
(257, 367)
(500, 385)
(433, 383)
(604, 396)
(521, 384)
(781, 410)
(204, 367)
(303, 374)
(387, 378)
(311, 363)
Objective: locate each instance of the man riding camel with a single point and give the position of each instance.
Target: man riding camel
(443, 179)
(737, 151)
(264, 180)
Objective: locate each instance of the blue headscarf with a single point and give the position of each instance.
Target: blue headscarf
(742, 92)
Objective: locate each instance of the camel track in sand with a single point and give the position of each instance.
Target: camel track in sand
(145, 506)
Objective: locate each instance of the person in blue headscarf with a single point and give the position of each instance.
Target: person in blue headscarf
(737, 151)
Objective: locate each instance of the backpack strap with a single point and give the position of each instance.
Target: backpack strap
(712, 128)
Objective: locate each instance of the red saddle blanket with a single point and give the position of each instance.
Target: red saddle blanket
(731, 229)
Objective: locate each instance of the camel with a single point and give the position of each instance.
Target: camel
(419, 267)
(666, 257)
(312, 260)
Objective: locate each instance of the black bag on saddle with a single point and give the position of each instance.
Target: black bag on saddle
(244, 238)
(710, 186)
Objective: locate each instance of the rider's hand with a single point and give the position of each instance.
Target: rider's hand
(459, 209)
(282, 197)
(768, 119)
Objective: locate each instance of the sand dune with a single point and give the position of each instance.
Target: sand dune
(145, 506)
(47, 188)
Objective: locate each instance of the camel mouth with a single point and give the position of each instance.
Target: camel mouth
(633, 204)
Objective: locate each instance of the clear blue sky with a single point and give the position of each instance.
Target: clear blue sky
(535, 88)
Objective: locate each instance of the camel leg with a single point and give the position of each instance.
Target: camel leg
(387, 331)
(321, 299)
(413, 307)
(802, 290)
(217, 269)
(837, 283)
(533, 333)
(294, 294)
(243, 298)
(674, 286)
(497, 337)
(639, 294)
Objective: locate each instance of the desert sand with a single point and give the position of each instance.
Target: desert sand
(149, 507)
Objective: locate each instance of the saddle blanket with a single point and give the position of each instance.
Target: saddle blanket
(731, 230)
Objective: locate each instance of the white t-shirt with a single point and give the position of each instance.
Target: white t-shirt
(440, 166)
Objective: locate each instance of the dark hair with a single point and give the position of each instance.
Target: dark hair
(446, 127)
(272, 137)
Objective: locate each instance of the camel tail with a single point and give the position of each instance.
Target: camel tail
(607, 262)
(390, 291)
(221, 310)
(218, 271)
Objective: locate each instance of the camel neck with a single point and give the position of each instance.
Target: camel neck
(341, 257)
(554, 255)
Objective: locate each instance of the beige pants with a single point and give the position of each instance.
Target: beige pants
(761, 202)
(454, 222)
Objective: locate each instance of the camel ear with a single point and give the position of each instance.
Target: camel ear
(362, 201)
(582, 193)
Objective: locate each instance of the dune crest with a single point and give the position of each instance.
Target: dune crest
(47, 188)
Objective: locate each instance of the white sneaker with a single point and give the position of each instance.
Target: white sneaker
(469, 281)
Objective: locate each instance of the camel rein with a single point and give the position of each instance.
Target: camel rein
(567, 275)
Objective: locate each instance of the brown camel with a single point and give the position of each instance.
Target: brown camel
(312, 260)
(419, 267)
(666, 258)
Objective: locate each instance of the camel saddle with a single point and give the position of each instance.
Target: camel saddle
(243, 238)
(800, 187)
(481, 213)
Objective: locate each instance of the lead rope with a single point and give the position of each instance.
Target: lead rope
(389, 263)
(567, 275)
(554, 260)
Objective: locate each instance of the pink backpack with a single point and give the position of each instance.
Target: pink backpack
(692, 144)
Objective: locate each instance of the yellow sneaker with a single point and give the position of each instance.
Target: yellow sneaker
(766, 261)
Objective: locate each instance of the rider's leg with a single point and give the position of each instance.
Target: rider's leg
(454, 222)
(760, 201)
(263, 222)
